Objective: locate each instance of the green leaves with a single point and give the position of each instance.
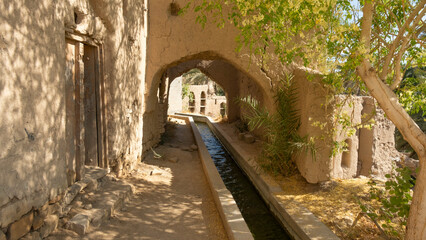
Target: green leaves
(394, 202)
(283, 142)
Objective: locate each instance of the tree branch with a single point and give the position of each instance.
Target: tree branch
(398, 38)
(397, 64)
(367, 21)
(381, 39)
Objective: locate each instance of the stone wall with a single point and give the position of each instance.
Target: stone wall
(377, 152)
(181, 40)
(211, 105)
(35, 157)
(181, 44)
(367, 151)
(175, 94)
(345, 164)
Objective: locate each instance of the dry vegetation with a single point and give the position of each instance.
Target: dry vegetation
(334, 203)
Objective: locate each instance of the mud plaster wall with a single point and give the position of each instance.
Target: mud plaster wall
(32, 92)
(125, 54)
(212, 102)
(377, 152)
(175, 94)
(369, 151)
(345, 164)
(177, 39)
(311, 96)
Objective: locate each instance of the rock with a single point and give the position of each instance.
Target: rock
(38, 222)
(44, 210)
(241, 136)
(85, 198)
(66, 210)
(412, 164)
(88, 206)
(62, 222)
(155, 172)
(328, 185)
(345, 221)
(248, 138)
(32, 236)
(50, 224)
(79, 224)
(194, 147)
(185, 148)
(173, 159)
(21, 227)
(2, 236)
(73, 191)
(56, 199)
(63, 234)
(92, 184)
(96, 216)
(54, 209)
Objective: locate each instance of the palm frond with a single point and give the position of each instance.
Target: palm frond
(280, 129)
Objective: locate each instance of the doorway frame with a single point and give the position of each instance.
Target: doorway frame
(101, 102)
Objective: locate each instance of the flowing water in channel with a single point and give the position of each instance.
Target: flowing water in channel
(259, 219)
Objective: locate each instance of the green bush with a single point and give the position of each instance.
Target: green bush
(283, 142)
(393, 202)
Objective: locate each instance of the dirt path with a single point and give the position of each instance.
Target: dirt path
(172, 200)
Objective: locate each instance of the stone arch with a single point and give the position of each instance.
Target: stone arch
(235, 81)
(192, 102)
(222, 109)
(203, 103)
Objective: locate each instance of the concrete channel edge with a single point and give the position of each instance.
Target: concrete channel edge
(298, 220)
(235, 226)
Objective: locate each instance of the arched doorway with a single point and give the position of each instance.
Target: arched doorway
(192, 102)
(203, 103)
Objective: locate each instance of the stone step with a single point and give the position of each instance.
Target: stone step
(90, 180)
(93, 208)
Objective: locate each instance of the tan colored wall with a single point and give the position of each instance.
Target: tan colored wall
(377, 152)
(125, 64)
(181, 44)
(310, 99)
(345, 164)
(179, 40)
(212, 103)
(32, 166)
(32, 92)
(175, 93)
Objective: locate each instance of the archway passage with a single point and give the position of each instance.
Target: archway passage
(235, 83)
(200, 95)
(203, 101)
(192, 102)
(222, 109)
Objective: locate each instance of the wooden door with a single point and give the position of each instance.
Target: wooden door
(90, 106)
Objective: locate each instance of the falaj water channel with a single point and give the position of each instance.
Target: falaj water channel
(261, 222)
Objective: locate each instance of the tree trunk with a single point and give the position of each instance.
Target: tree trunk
(388, 101)
(416, 227)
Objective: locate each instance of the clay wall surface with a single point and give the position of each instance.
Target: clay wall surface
(175, 96)
(212, 104)
(377, 152)
(368, 151)
(34, 125)
(345, 164)
(180, 40)
(311, 96)
(125, 65)
(181, 44)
